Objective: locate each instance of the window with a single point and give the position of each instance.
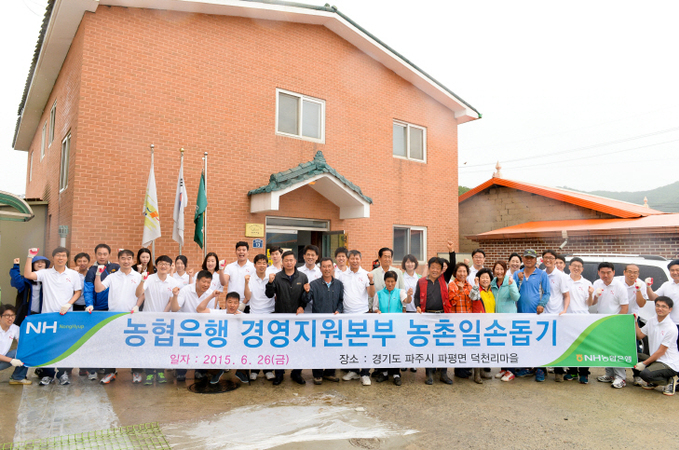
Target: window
(30, 170)
(53, 119)
(42, 141)
(63, 173)
(410, 141)
(300, 116)
(410, 240)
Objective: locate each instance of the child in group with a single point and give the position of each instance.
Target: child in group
(391, 301)
(227, 306)
(8, 333)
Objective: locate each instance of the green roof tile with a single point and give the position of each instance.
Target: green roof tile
(304, 171)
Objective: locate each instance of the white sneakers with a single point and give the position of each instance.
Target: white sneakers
(92, 376)
(106, 379)
(670, 388)
(64, 379)
(253, 376)
(270, 375)
(351, 376)
(605, 379)
(365, 380)
(618, 383)
(136, 378)
(46, 381)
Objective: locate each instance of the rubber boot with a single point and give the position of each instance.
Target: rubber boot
(430, 377)
(444, 377)
(477, 376)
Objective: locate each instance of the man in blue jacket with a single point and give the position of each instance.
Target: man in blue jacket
(98, 301)
(29, 292)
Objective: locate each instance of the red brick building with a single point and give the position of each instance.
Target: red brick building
(261, 87)
(504, 216)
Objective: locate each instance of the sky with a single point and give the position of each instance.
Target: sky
(580, 94)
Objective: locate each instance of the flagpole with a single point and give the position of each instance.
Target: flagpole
(181, 164)
(153, 243)
(205, 213)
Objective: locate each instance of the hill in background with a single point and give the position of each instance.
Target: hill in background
(664, 198)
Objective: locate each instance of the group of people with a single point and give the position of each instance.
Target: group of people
(321, 285)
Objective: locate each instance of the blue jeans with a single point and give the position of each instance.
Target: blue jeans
(19, 372)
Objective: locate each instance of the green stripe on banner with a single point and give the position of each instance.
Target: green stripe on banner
(605, 337)
(80, 342)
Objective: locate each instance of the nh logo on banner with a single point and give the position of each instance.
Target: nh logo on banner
(36, 328)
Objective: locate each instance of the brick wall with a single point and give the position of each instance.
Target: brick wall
(207, 83)
(499, 207)
(652, 244)
(45, 179)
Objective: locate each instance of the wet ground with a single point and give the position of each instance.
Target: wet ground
(346, 415)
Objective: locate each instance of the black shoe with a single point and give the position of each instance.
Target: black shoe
(242, 377)
(413, 370)
(430, 378)
(380, 377)
(297, 378)
(198, 376)
(445, 378)
(278, 380)
(218, 376)
(180, 378)
(404, 370)
(397, 380)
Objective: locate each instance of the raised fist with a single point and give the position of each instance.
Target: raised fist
(272, 276)
(247, 278)
(590, 290)
(33, 252)
(175, 291)
(476, 281)
(222, 264)
(190, 272)
(639, 284)
(450, 246)
(410, 291)
(17, 260)
(511, 280)
(100, 269)
(649, 281)
(307, 287)
(144, 275)
(370, 277)
(599, 291)
(520, 275)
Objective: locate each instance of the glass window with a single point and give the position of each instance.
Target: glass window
(300, 116)
(42, 141)
(63, 175)
(410, 240)
(53, 121)
(409, 141)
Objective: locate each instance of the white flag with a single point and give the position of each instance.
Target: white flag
(151, 216)
(180, 202)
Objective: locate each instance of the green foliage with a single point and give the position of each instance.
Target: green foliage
(461, 190)
(664, 198)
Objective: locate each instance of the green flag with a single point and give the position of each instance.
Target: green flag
(199, 218)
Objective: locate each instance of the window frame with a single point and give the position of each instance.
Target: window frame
(64, 162)
(300, 112)
(53, 122)
(30, 169)
(409, 228)
(408, 127)
(43, 140)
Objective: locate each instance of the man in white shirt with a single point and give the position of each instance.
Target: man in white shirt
(385, 255)
(478, 258)
(276, 260)
(580, 291)
(255, 297)
(61, 288)
(158, 289)
(341, 260)
(358, 288)
(122, 297)
(611, 298)
(310, 269)
(9, 332)
(233, 276)
(187, 301)
(635, 288)
(663, 363)
(668, 289)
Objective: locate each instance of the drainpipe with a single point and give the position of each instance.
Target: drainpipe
(63, 232)
(564, 234)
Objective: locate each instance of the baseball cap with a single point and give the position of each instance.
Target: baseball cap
(530, 253)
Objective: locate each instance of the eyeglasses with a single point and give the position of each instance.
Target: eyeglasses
(9, 316)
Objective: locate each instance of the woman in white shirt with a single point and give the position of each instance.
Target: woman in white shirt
(180, 273)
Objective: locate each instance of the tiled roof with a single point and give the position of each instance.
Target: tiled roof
(656, 223)
(617, 208)
(305, 171)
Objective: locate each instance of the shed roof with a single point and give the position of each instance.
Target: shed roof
(616, 208)
(656, 223)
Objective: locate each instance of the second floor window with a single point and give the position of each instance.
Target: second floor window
(410, 141)
(300, 116)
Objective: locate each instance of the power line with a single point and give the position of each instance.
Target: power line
(589, 147)
(580, 158)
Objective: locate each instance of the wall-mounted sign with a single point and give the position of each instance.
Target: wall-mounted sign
(255, 230)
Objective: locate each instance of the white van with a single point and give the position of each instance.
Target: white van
(649, 266)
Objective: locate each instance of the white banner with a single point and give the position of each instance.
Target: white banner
(320, 341)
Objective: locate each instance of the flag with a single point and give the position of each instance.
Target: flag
(151, 216)
(180, 202)
(199, 218)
